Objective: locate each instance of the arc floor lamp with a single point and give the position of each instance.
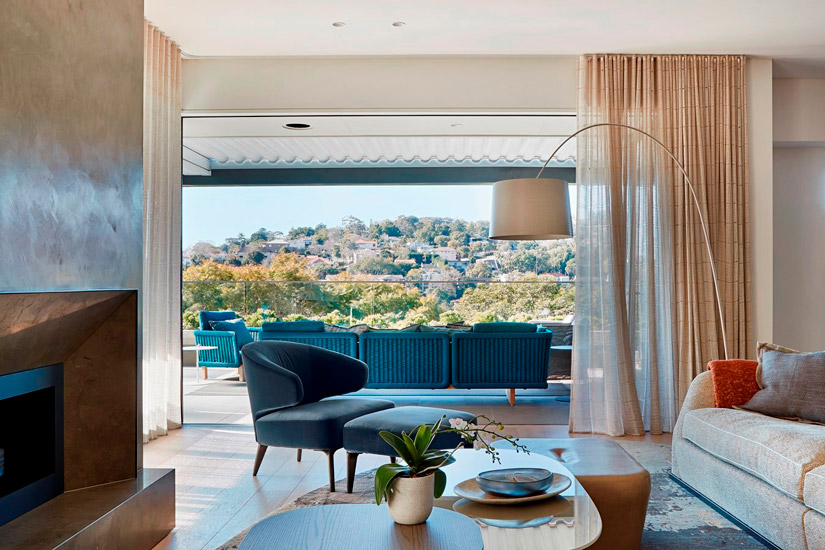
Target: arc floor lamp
(534, 209)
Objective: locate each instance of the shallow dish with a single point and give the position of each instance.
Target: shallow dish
(470, 490)
(515, 482)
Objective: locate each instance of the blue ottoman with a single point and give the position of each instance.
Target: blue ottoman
(361, 434)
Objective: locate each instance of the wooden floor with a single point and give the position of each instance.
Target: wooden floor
(217, 497)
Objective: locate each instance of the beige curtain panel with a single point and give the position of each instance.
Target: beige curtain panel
(646, 322)
(161, 234)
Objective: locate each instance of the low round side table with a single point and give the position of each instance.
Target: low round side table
(361, 526)
(197, 349)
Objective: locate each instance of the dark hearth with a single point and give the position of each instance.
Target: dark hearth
(31, 440)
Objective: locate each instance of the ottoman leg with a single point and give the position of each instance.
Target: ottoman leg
(352, 460)
(299, 455)
(331, 457)
(392, 460)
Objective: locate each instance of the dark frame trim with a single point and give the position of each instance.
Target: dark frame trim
(46, 488)
(724, 513)
(435, 175)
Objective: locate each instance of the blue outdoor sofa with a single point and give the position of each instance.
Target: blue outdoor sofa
(491, 355)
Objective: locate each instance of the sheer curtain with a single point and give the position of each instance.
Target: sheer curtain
(645, 318)
(161, 235)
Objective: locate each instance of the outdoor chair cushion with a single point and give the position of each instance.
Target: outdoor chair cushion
(777, 451)
(315, 425)
(242, 334)
(505, 327)
(204, 318)
(293, 326)
(361, 434)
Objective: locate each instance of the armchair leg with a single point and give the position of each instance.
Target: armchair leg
(392, 459)
(241, 376)
(331, 457)
(259, 458)
(352, 460)
(299, 454)
(511, 397)
(204, 374)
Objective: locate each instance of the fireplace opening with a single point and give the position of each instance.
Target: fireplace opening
(31, 439)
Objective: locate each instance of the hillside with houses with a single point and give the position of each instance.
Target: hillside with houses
(406, 248)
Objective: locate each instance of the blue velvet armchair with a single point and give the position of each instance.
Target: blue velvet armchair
(292, 393)
(228, 353)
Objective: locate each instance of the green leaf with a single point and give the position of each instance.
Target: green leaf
(423, 437)
(415, 455)
(398, 444)
(440, 483)
(435, 463)
(384, 476)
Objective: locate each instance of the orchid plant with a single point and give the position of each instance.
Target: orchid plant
(420, 461)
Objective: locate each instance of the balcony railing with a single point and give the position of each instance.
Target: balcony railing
(384, 304)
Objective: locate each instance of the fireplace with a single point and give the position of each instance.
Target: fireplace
(70, 425)
(31, 439)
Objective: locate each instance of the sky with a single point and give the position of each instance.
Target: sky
(213, 214)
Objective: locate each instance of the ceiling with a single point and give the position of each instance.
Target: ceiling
(790, 31)
(220, 143)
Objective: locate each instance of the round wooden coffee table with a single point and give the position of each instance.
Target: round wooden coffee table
(361, 526)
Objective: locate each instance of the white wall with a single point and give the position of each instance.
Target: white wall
(799, 111)
(799, 213)
(799, 252)
(487, 84)
(760, 165)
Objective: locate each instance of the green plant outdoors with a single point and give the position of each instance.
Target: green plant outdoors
(420, 460)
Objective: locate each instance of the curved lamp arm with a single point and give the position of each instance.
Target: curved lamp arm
(692, 190)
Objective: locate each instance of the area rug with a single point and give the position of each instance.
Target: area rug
(676, 520)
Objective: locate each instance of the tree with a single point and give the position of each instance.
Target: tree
(260, 235)
(255, 257)
(298, 232)
(376, 266)
(354, 225)
(478, 270)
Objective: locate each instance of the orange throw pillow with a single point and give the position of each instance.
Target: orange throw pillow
(734, 382)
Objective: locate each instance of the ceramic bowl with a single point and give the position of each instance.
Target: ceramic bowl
(515, 482)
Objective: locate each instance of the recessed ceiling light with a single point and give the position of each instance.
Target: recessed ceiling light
(399, 24)
(339, 24)
(297, 126)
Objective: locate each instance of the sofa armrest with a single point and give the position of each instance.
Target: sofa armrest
(699, 396)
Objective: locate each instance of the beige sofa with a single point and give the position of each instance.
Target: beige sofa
(766, 472)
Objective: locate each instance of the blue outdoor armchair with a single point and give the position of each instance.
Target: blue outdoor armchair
(292, 389)
(228, 353)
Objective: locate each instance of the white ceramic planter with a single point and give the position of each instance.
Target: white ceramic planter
(410, 499)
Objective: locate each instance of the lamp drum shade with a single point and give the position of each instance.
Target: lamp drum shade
(530, 209)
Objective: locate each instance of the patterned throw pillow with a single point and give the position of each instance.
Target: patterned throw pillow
(734, 382)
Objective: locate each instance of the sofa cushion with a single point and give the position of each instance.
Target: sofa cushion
(734, 382)
(505, 327)
(242, 334)
(814, 490)
(777, 451)
(293, 326)
(793, 386)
